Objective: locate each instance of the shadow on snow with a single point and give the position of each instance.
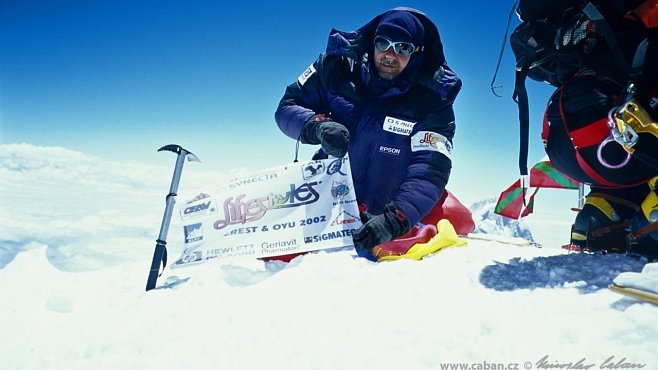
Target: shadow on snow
(588, 272)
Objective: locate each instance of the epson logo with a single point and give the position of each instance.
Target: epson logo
(388, 150)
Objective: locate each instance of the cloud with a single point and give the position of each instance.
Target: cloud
(87, 211)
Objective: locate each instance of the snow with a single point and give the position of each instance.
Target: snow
(646, 280)
(76, 239)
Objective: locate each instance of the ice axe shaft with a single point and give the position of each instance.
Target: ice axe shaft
(160, 253)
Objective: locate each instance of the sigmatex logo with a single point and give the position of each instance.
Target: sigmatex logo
(398, 126)
(193, 233)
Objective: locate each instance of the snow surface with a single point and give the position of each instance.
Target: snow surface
(76, 239)
(647, 280)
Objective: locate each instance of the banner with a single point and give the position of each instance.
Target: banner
(295, 208)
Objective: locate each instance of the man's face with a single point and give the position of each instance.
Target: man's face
(389, 65)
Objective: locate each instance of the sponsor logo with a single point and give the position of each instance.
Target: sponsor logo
(232, 251)
(345, 218)
(237, 211)
(251, 180)
(203, 207)
(390, 150)
(284, 246)
(335, 167)
(223, 252)
(312, 169)
(295, 197)
(398, 126)
(428, 140)
(190, 258)
(193, 233)
(279, 244)
(328, 236)
(339, 189)
(306, 75)
(240, 211)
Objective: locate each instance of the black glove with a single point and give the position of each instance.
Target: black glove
(333, 136)
(378, 229)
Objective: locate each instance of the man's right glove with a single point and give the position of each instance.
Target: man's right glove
(378, 229)
(333, 136)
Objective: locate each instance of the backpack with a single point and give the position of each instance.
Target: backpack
(613, 42)
(577, 133)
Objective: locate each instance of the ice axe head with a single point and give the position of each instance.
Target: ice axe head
(180, 151)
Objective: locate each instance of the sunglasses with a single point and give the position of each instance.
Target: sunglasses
(400, 48)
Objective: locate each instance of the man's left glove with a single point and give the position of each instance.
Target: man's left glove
(333, 136)
(378, 229)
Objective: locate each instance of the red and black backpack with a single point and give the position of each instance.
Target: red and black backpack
(600, 55)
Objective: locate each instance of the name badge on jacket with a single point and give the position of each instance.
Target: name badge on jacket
(398, 126)
(428, 140)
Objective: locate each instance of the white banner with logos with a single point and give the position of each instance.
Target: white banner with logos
(295, 208)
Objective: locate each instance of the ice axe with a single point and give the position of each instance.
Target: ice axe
(160, 253)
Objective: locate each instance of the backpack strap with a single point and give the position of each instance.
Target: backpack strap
(590, 135)
(634, 70)
(638, 59)
(520, 96)
(602, 25)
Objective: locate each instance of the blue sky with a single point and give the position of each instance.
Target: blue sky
(119, 79)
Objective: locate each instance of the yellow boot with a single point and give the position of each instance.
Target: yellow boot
(643, 237)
